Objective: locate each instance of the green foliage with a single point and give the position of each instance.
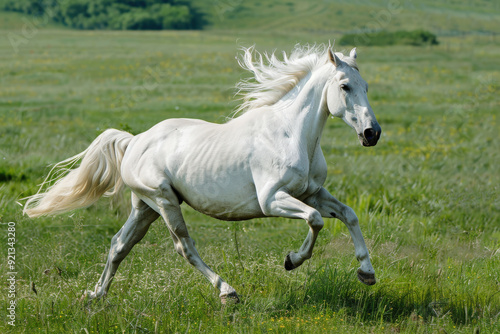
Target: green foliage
(113, 14)
(383, 38)
(426, 195)
(299, 17)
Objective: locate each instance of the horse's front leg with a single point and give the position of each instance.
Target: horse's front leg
(281, 204)
(330, 207)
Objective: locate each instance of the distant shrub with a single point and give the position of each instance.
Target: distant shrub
(381, 38)
(113, 14)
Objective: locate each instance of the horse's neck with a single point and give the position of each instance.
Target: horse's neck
(303, 110)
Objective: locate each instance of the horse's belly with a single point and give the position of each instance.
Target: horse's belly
(224, 201)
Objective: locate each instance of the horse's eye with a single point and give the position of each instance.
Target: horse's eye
(345, 88)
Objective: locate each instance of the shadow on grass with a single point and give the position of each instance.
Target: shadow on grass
(334, 289)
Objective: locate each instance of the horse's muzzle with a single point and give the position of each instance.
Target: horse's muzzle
(370, 136)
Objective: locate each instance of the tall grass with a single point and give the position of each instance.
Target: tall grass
(426, 195)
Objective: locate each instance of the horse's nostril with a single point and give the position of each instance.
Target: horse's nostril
(369, 134)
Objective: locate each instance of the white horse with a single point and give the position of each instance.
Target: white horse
(265, 163)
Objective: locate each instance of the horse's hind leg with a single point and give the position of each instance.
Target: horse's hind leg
(131, 233)
(170, 210)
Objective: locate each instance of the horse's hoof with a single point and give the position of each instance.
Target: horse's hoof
(365, 278)
(87, 297)
(288, 263)
(230, 298)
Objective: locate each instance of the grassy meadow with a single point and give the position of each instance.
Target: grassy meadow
(427, 195)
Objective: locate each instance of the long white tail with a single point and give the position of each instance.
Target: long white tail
(97, 175)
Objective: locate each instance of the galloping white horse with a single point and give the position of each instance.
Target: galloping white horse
(265, 163)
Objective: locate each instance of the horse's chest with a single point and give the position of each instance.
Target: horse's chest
(307, 176)
(317, 175)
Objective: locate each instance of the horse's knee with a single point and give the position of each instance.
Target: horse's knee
(350, 217)
(315, 221)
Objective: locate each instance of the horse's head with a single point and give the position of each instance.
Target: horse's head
(347, 98)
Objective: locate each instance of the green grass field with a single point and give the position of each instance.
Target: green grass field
(427, 195)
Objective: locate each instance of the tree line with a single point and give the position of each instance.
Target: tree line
(382, 38)
(114, 14)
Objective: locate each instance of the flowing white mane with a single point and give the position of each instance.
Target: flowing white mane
(273, 78)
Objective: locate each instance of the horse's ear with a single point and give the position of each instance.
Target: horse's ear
(353, 53)
(333, 58)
